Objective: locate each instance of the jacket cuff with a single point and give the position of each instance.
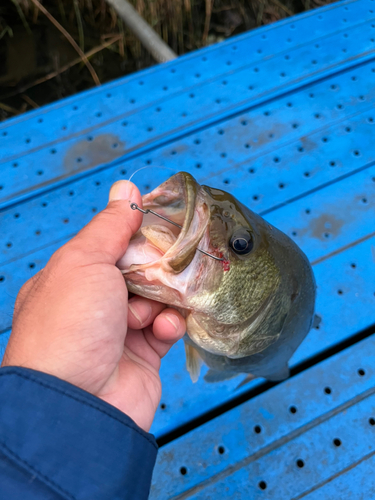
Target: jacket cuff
(75, 443)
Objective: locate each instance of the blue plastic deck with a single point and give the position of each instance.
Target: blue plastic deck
(282, 117)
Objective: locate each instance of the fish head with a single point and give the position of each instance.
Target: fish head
(232, 304)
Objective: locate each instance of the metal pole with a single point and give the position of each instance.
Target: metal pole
(146, 35)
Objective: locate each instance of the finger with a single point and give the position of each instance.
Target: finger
(142, 312)
(109, 232)
(168, 328)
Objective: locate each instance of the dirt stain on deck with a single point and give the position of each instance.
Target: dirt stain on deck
(325, 226)
(93, 151)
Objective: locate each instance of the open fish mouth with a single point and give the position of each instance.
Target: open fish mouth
(161, 246)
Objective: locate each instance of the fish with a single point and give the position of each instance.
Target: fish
(248, 308)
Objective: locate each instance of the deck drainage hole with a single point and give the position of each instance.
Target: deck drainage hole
(361, 372)
(252, 170)
(257, 429)
(289, 104)
(65, 221)
(158, 110)
(53, 151)
(197, 141)
(37, 232)
(348, 129)
(183, 471)
(281, 185)
(294, 233)
(267, 113)
(292, 409)
(2, 278)
(307, 174)
(115, 145)
(340, 292)
(31, 265)
(97, 183)
(9, 244)
(173, 152)
(300, 463)
(301, 149)
(150, 129)
(148, 162)
(262, 485)
(218, 101)
(356, 153)
(4, 134)
(123, 172)
(44, 204)
(124, 124)
(308, 211)
(364, 200)
(191, 96)
(251, 87)
(221, 132)
(327, 390)
(370, 120)
(198, 165)
(224, 82)
(326, 235)
(165, 88)
(223, 155)
(79, 160)
(40, 172)
(255, 197)
(318, 115)
(325, 139)
(371, 421)
(337, 442)
(226, 181)
(15, 164)
(109, 95)
(340, 106)
(132, 101)
(221, 450)
(295, 125)
(163, 406)
(353, 265)
(247, 146)
(71, 193)
(332, 163)
(17, 216)
(94, 209)
(276, 159)
(98, 114)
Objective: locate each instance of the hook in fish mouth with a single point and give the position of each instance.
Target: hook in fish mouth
(134, 206)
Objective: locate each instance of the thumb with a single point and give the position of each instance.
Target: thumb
(109, 232)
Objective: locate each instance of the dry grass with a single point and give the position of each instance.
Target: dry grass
(43, 40)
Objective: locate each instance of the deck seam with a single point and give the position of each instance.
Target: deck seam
(275, 444)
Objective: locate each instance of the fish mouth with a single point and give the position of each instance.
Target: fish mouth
(182, 200)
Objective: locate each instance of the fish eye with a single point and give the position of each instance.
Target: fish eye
(242, 242)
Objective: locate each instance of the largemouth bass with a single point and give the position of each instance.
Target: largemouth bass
(246, 313)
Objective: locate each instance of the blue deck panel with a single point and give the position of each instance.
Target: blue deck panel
(263, 438)
(283, 118)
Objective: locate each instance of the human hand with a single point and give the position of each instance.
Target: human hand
(73, 319)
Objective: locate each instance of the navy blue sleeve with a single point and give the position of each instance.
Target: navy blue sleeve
(60, 442)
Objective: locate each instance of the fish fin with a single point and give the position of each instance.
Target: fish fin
(249, 377)
(316, 321)
(213, 376)
(193, 362)
(281, 374)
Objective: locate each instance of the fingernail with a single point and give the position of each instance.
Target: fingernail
(146, 311)
(121, 190)
(173, 320)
